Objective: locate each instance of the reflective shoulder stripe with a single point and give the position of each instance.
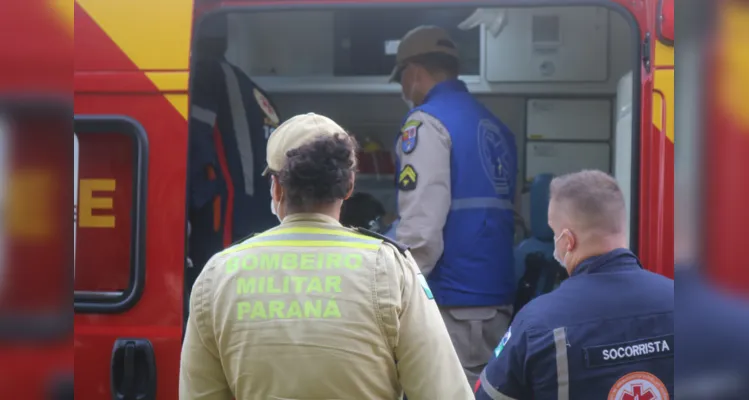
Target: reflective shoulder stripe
(203, 115)
(308, 237)
(241, 128)
(563, 370)
(490, 390)
(481, 202)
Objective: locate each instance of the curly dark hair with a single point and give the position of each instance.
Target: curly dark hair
(319, 172)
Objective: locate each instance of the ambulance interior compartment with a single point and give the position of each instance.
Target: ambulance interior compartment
(559, 77)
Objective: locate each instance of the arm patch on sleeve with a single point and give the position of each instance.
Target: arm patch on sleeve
(271, 117)
(425, 286)
(407, 178)
(409, 136)
(503, 342)
(403, 250)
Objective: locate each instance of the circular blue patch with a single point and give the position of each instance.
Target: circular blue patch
(496, 158)
(409, 137)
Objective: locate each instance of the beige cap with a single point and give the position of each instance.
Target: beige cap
(422, 40)
(294, 133)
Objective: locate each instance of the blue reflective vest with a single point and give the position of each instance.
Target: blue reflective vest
(229, 129)
(607, 332)
(476, 267)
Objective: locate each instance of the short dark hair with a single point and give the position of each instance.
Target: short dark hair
(593, 198)
(438, 63)
(319, 172)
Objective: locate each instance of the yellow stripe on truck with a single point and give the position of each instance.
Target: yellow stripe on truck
(733, 63)
(155, 36)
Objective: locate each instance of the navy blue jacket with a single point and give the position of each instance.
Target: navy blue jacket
(231, 119)
(606, 333)
(713, 358)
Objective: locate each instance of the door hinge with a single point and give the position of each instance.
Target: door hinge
(646, 52)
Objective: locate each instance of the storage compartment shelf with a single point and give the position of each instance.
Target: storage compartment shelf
(568, 119)
(561, 158)
(550, 44)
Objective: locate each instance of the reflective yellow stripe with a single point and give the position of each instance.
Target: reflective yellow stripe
(303, 236)
(303, 243)
(312, 230)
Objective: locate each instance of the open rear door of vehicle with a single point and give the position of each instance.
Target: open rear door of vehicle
(666, 21)
(661, 224)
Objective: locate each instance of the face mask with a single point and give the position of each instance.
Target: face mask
(272, 204)
(559, 260)
(408, 102)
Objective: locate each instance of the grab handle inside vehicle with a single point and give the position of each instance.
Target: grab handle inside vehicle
(133, 374)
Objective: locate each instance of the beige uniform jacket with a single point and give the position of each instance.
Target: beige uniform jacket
(312, 310)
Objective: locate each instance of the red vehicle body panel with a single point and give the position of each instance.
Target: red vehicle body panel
(35, 80)
(107, 82)
(112, 78)
(725, 189)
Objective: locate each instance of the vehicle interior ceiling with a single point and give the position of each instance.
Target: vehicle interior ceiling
(559, 77)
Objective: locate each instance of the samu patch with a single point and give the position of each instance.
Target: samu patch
(409, 136)
(629, 352)
(270, 113)
(407, 178)
(639, 385)
(503, 342)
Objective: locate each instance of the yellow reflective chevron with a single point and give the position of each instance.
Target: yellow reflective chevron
(407, 178)
(408, 173)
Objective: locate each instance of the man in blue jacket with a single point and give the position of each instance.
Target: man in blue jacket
(456, 172)
(608, 331)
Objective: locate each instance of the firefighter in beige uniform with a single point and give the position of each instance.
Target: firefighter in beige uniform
(310, 309)
(457, 167)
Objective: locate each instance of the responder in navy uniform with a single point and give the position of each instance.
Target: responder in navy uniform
(230, 121)
(456, 173)
(713, 349)
(608, 331)
(311, 309)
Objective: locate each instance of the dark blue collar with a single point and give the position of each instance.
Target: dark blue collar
(452, 85)
(615, 260)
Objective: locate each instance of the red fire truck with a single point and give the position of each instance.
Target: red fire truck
(36, 331)
(607, 63)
